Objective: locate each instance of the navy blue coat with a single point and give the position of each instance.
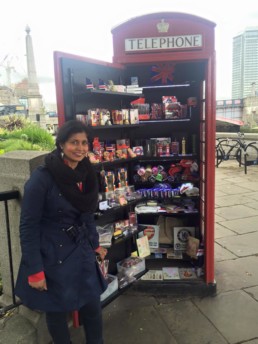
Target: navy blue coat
(70, 267)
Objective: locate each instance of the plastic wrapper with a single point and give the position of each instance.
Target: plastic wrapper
(105, 234)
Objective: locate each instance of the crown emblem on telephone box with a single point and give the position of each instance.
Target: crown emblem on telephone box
(162, 26)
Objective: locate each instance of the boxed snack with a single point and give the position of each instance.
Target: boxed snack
(156, 111)
(152, 233)
(93, 117)
(125, 115)
(112, 287)
(171, 107)
(134, 116)
(118, 88)
(131, 266)
(143, 111)
(117, 117)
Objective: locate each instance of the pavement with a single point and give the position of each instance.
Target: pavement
(228, 317)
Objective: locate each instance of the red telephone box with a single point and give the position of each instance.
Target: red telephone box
(165, 54)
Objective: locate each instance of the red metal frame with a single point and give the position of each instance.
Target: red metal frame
(182, 24)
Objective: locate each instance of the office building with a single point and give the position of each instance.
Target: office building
(245, 64)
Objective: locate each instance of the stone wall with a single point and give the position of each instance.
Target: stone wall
(15, 169)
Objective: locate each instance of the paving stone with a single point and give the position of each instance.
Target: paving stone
(252, 291)
(250, 185)
(18, 330)
(235, 212)
(221, 231)
(241, 245)
(236, 274)
(130, 300)
(254, 196)
(188, 325)
(221, 180)
(229, 190)
(237, 180)
(253, 205)
(234, 314)
(77, 335)
(219, 218)
(219, 193)
(223, 254)
(136, 325)
(228, 200)
(242, 226)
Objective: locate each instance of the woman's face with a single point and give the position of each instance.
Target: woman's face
(75, 149)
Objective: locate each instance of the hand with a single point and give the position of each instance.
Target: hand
(40, 285)
(102, 252)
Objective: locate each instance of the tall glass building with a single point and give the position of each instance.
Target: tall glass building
(245, 64)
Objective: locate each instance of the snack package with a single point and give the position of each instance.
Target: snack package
(192, 247)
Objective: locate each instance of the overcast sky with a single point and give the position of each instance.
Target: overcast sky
(84, 28)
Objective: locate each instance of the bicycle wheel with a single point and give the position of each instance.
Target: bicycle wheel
(228, 148)
(219, 156)
(251, 153)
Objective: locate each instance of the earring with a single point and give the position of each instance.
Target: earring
(62, 153)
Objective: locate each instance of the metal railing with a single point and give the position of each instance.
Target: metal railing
(5, 197)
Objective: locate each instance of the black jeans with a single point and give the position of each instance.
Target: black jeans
(90, 317)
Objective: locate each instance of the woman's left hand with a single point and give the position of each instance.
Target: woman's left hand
(102, 251)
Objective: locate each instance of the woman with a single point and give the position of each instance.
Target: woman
(58, 271)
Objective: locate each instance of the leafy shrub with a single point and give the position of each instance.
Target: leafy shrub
(13, 122)
(20, 134)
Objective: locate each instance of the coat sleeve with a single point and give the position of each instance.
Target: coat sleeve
(88, 220)
(35, 192)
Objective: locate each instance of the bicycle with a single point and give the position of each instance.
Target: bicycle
(238, 149)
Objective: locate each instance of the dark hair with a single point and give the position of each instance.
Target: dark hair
(68, 129)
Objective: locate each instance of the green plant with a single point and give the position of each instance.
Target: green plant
(13, 144)
(20, 134)
(13, 122)
(35, 135)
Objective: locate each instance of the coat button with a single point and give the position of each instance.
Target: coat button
(60, 262)
(60, 210)
(61, 245)
(60, 195)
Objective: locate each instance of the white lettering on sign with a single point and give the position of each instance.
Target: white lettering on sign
(170, 42)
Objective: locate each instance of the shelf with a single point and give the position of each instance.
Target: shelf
(142, 158)
(166, 86)
(123, 238)
(165, 121)
(179, 214)
(105, 164)
(108, 212)
(150, 185)
(98, 93)
(168, 262)
(119, 292)
(114, 126)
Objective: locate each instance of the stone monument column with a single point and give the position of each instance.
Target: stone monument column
(35, 103)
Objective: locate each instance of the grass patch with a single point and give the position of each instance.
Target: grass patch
(23, 135)
(17, 144)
